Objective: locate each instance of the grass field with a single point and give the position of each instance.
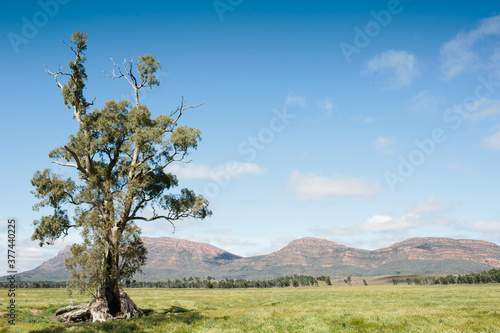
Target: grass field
(385, 308)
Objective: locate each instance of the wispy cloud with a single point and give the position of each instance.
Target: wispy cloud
(199, 171)
(231, 241)
(293, 99)
(363, 119)
(425, 101)
(458, 55)
(492, 141)
(311, 186)
(326, 107)
(420, 214)
(430, 206)
(385, 145)
(484, 108)
(274, 244)
(380, 223)
(460, 168)
(486, 226)
(397, 68)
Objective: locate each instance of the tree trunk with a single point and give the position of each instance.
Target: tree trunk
(100, 309)
(111, 301)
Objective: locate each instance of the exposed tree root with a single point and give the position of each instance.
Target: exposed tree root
(74, 313)
(98, 310)
(128, 307)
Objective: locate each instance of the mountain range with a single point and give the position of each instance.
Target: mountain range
(170, 258)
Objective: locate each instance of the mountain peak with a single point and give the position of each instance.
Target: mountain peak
(441, 241)
(312, 241)
(170, 258)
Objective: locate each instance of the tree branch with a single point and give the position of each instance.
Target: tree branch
(154, 218)
(66, 164)
(180, 110)
(77, 160)
(55, 75)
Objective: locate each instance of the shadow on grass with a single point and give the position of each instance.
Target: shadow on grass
(151, 319)
(174, 314)
(114, 326)
(176, 309)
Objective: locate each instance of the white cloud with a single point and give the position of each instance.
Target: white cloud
(430, 206)
(199, 171)
(385, 145)
(460, 168)
(458, 56)
(492, 141)
(442, 220)
(387, 240)
(379, 223)
(338, 231)
(274, 245)
(362, 118)
(292, 99)
(399, 68)
(32, 257)
(29, 255)
(486, 226)
(314, 186)
(327, 107)
(220, 231)
(230, 241)
(495, 59)
(428, 212)
(484, 108)
(425, 101)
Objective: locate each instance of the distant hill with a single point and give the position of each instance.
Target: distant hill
(170, 258)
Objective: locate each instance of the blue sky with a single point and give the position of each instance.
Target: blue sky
(364, 122)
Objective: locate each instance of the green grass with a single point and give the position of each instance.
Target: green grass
(386, 308)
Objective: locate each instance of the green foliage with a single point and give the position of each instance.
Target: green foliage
(73, 90)
(326, 279)
(491, 276)
(348, 280)
(119, 154)
(54, 192)
(147, 67)
(228, 283)
(132, 253)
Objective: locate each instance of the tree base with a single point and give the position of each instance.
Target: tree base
(98, 310)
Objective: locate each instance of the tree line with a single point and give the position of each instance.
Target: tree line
(229, 283)
(208, 282)
(41, 284)
(491, 276)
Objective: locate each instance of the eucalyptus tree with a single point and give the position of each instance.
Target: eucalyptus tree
(118, 155)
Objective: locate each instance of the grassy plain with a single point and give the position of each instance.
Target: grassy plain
(385, 308)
